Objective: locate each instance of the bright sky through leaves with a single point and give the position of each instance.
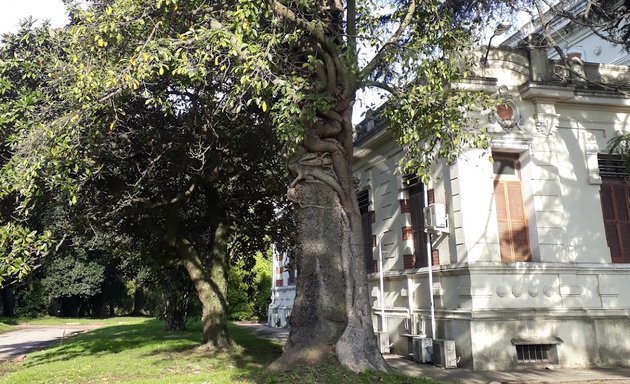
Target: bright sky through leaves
(13, 11)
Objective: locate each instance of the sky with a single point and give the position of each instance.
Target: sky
(15, 10)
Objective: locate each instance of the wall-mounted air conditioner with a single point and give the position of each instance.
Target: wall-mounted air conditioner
(383, 341)
(444, 353)
(423, 349)
(435, 218)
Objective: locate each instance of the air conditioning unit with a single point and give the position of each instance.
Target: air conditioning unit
(423, 349)
(435, 218)
(383, 341)
(444, 353)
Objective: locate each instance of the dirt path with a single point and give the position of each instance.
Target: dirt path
(15, 344)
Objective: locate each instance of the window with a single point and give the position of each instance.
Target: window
(416, 205)
(613, 194)
(291, 277)
(511, 217)
(366, 221)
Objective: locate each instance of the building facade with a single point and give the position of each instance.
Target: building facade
(282, 289)
(533, 268)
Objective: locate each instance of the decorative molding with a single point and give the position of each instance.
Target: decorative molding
(548, 290)
(571, 290)
(507, 114)
(547, 123)
(517, 291)
(591, 149)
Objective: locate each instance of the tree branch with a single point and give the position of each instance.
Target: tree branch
(376, 60)
(311, 27)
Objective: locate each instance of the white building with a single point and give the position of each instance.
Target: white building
(535, 266)
(573, 39)
(282, 289)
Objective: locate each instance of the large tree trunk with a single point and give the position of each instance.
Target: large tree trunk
(210, 282)
(319, 316)
(331, 315)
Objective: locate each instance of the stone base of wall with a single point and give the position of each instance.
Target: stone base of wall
(583, 340)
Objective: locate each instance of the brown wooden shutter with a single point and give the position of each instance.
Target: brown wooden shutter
(512, 221)
(615, 211)
(416, 204)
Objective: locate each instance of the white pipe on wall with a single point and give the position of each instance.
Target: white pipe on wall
(381, 283)
(430, 265)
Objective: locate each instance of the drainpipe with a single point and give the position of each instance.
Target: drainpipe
(381, 284)
(430, 265)
(410, 291)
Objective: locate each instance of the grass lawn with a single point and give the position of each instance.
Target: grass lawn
(140, 351)
(50, 320)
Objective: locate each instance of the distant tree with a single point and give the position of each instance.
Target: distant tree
(73, 279)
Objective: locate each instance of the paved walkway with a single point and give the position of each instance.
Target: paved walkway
(466, 376)
(461, 375)
(15, 344)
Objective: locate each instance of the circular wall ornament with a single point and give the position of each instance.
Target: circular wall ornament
(533, 291)
(501, 291)
(517, 291)
(506, 113)
(548, 290)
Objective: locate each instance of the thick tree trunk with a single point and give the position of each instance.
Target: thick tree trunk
(331, 315)
(210, 282)
(319, 317)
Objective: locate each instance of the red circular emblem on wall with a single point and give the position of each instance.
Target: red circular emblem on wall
(505, 111)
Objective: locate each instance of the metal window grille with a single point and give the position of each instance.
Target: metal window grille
(534, 353)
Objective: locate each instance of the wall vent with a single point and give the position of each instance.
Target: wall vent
(536, 354)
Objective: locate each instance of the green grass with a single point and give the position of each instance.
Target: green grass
(142, 352)
(10, 323)
(50, 320)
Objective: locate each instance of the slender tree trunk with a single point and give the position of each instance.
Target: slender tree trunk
(176, 311)
(210, 282)
(139, 300)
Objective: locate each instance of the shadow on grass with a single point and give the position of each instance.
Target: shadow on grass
(250, 355)
(177, 353)
(9, 320)
(149, 338)
(113, 339)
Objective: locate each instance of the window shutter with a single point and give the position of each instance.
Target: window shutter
(512, 222)
(614, 199)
